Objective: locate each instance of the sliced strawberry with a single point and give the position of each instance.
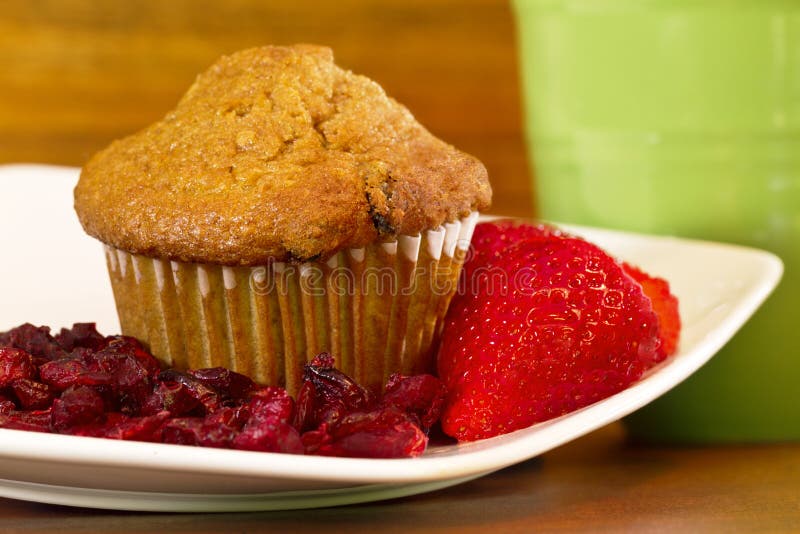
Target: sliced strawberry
(554, 324)
(491, 240)
(665, 305)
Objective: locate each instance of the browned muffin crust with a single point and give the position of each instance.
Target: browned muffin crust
(275, 152)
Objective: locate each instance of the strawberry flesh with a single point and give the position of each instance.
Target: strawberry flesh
(553, 324)
(665, 305)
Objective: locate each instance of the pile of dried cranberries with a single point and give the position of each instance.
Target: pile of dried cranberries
(81, 383)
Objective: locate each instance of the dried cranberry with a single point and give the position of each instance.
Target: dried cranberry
(67, 372)
(130, 346)
(317, 439)
(99, 427)
(121, 377)
(304, 407)
(269, 436)
(182, 431)
(78, 405)
(173, 397)
(120, 370)
(6, 405)
(227, 383)
(83, 335)
(381, 433)
(35, 421)
(235, 418)
(204, 395)
(335, 394)
(324, 360)
(15, 364)
(32, 395)
(37, 341)
(147, 428)
(269, 428)
(218, 429)
(421, 397)
(271, 403)
(195, 431)
(217, 435)
(129, 380)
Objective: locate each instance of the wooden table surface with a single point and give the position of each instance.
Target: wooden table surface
(75, 74)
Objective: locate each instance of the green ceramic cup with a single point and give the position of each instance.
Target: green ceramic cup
(680, 117)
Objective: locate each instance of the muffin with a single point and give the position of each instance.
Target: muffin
(284, 208)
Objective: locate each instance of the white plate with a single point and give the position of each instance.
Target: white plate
(52, 274)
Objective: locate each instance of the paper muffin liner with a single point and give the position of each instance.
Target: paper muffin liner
(377, 309)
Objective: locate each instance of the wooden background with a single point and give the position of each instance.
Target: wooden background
(76, 74)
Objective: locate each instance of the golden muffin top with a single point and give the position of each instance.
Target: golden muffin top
(276, 153)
